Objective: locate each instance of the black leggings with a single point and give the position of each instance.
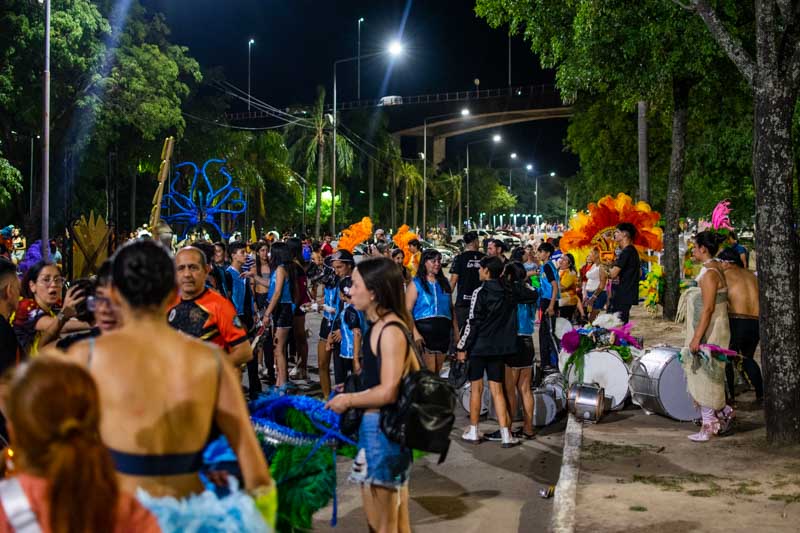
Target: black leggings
(744, 340)
(548, 343)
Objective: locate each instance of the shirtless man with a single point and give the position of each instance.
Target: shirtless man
(743, 318)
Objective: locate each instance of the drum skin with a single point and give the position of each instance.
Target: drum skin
(607, 369)
(658, 385)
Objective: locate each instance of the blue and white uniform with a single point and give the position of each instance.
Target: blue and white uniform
(432, 315)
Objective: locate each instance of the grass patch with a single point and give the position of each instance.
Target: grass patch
(745, 488)
(793, 467)
(638, 508)
(674, 483)
(786, 498)
(606, 450)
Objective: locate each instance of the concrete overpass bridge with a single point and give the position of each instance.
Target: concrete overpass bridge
(489, 108)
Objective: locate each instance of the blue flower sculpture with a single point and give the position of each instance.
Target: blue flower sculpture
(203, 204)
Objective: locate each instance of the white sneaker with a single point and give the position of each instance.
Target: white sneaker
(472, 435)
(509, 440)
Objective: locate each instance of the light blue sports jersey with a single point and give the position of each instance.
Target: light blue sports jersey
(431, 304)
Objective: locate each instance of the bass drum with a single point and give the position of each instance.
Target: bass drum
(545, 410)
(658, 385)
(607, 369)
(555, 386)
(486, 401)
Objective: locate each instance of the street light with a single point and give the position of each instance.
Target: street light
(464, 113)
(358, 54)
(528, 167)
(536, 195)
(250, 44)
(513, 156)
(496, 138)
(45, 249)
(394, 49)
(304, 184)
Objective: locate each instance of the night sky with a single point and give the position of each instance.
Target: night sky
(297, 41)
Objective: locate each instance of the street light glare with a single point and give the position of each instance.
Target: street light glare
(552, 174)
(529, 167)
(465, 112)
(395, 48)
(252, 41)
(513, 155)
(361, 19)
(496, 138)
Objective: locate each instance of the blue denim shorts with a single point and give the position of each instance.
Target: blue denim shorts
(379, 461)
(601, 300)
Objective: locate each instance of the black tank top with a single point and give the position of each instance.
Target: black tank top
(370, 362)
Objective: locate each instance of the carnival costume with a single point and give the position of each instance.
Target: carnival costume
(705, 370)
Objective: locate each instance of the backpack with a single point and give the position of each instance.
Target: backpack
(422, 417)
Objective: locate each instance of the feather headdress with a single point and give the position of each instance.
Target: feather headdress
(355, 235)
(403, 236)
(596, 228)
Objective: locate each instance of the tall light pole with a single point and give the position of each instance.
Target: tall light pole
(45, 243)
(464, 113)
(303, 186)
(395, 49)
(358, 55)
(513, 157)
(536, 193)
(496, 138)
(250, 44)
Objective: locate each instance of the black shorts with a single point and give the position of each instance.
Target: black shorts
(525, 353)
(435, 332)
(282, 316)
(324, 329)
(492, 365)
(298, 311)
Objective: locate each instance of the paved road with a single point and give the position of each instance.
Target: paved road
(478, 487)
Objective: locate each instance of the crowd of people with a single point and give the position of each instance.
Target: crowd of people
(219, 310)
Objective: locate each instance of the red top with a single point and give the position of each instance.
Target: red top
(132, 517)
(326, 249)
(210, 317)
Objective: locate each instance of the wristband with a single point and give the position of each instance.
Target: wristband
(265, 498)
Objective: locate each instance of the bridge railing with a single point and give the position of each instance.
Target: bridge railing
(546, 92)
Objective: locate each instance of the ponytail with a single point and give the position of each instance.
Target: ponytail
(81, 467)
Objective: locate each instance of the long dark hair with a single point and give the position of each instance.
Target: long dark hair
(61, 439)
(259, 246)
(422, 272)
(382, 276)
(32, 274)
(281, 255)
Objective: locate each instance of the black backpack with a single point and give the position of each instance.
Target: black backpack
(422, 417)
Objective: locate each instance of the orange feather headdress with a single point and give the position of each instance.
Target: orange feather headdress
(355, 235)
(597, 227)
(402, 238)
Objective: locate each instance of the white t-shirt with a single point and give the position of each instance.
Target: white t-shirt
(592, 279)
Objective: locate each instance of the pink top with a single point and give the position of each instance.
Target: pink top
(131, 515)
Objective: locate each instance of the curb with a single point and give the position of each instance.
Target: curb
(566, 491)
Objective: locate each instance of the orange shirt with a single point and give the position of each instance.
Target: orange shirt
(209, 317)
(132, 517)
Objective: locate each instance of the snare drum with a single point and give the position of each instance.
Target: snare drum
(609, 371)
(658, 385)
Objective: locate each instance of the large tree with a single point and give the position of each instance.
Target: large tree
(637, 50)
(768, 58)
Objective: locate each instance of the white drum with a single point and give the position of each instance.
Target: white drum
(544, 408)
(658, 384)
(609, 371)
(486, 401)
(555, 386)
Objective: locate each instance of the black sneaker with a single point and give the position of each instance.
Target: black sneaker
(494, 436)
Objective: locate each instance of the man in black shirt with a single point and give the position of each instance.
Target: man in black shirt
(625, 273)
(9, 349)
(9, 297)
(465, 273)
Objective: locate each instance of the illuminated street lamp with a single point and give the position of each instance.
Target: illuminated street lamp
(496, 138)
(394, 49)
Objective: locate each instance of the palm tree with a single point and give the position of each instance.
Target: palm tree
(308, 138)
(412, 181)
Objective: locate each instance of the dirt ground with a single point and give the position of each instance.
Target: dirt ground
(639, 472)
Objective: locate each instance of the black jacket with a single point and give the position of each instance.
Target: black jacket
(491, 327)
